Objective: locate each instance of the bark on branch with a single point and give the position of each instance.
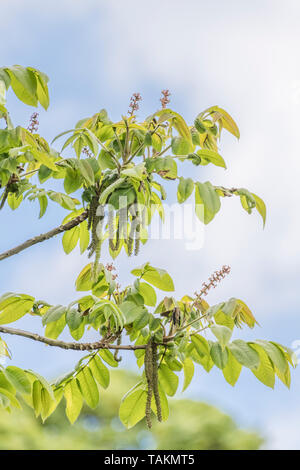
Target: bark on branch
(64, 345)
(45, 236)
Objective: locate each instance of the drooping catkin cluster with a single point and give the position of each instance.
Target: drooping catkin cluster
(213, 280)
(155, 381)
(151, 372)
(95, 224)
(133, 239)
(33, 125)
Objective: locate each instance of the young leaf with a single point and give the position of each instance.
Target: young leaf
(15, 309)
(219, 355)
(168, 380)
(232, 369)
(53, 314)
(212, 157)
(70, 239)
(132, 409)
(23, 83)
(73, 399)
(265, 371)
(188, 369)
(275, 354)
(18, 378)
(88, 387)
(222, 333)
(185, 189)
(99, 371)
(155, 276)
(108, 357)
(244, 354)
(207, 201)
(261, 207)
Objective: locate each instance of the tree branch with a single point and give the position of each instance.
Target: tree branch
(64, 345)
(45, 236)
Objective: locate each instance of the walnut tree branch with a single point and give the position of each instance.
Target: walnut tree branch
(45, 236)
(103, 344)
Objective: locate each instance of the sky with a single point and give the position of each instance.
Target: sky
(241, 56)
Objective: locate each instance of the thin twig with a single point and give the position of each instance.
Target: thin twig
(45, 236)
(64, 345)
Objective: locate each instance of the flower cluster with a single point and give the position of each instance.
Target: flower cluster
(33, 123)
(134, 103)
(165, 99)
(214, 279)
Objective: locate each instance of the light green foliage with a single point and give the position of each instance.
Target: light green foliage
(191, 425)
(118, 170)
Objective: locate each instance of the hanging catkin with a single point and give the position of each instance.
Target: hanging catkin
(155, 381)
(137, 236)
(149, 377)
(110, 224)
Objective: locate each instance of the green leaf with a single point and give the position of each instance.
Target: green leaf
(222, 333)
(86, 171)
(155, 276)
(24, 85)
(14, 201)
(275, 354)
(72, 181)
(261, 207)
(36, 397)
(73, 318)
(244, 354)
(212, 157)
(14, 308)
(48, 404)
(84, 280)
(43, 201)
(165, 167)
(44, 158)
(13, 401)
(131, 311)
(43, 382)
(207, 201)
(188, 369)
(232, 369)
(55, 328)
(148, 294)
(73, 399)
(227, 121)
(99, 371)
(18, 379)
(185, 189)
(132, 409)
(70, 239)
(53, 314)
(137, 171)
(168, 380)
(88, 387)
(108, 357)
(218, 355)
(201, 345)
(181, 146)
(265, 371)
(5, 383)
(42, 89)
